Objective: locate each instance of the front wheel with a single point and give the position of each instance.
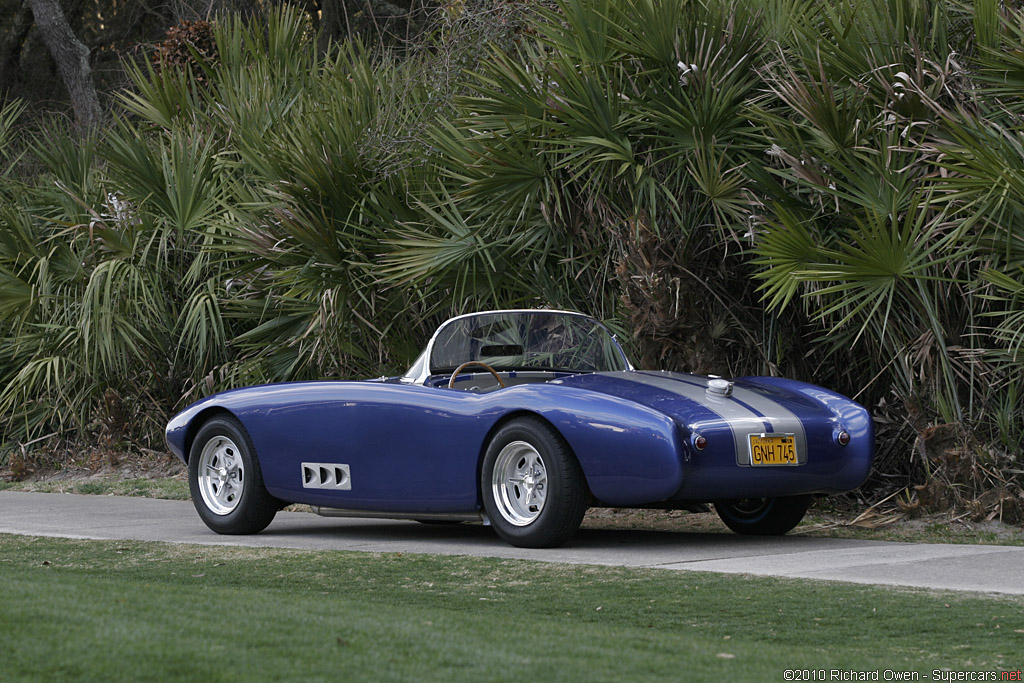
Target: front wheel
(225, 480)
(534, 492)
(763, 516)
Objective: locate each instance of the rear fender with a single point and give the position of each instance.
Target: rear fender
(629, 454)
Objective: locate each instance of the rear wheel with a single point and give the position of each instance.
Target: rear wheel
(763, 516)
(534, 491)
(225, 480)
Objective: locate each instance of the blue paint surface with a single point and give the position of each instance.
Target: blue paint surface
(413, 448)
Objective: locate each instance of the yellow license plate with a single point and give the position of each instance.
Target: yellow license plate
(772, 449)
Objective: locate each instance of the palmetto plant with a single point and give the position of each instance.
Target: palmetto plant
(901, 207)
(222, 233)
(615, 132)
(97, 336)
(860, 160)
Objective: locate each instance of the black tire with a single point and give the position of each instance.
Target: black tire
(763, 516)
(225, 480)
(542, 512)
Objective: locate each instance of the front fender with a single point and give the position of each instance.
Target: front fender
(183, 426)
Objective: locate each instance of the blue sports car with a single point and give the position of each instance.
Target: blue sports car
(522, 420)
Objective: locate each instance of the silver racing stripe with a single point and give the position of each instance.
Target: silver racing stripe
(747, 412)
(782, 420)
(740, 420)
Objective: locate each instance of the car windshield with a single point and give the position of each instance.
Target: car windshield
(526, 340)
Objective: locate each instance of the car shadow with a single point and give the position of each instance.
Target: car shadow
(354, 532)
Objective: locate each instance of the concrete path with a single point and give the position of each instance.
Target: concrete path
(998, 569)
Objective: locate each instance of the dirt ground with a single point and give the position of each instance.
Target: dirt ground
(102, 466)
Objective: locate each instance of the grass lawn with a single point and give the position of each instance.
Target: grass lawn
(97, 610)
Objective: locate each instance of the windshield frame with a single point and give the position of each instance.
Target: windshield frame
(420, 371)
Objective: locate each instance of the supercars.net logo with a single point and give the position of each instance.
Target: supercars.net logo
(893, 675)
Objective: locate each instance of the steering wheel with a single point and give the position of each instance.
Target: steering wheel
(451, 382)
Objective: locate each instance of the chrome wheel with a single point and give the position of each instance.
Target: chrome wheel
(519, 483)
(225, 479)
(532, 488)
(221, 475)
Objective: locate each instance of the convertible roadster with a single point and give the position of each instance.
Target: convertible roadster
(522, 420)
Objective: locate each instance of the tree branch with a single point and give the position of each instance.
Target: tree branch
(72, 59)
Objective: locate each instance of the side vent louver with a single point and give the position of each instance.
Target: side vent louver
(326, 475)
